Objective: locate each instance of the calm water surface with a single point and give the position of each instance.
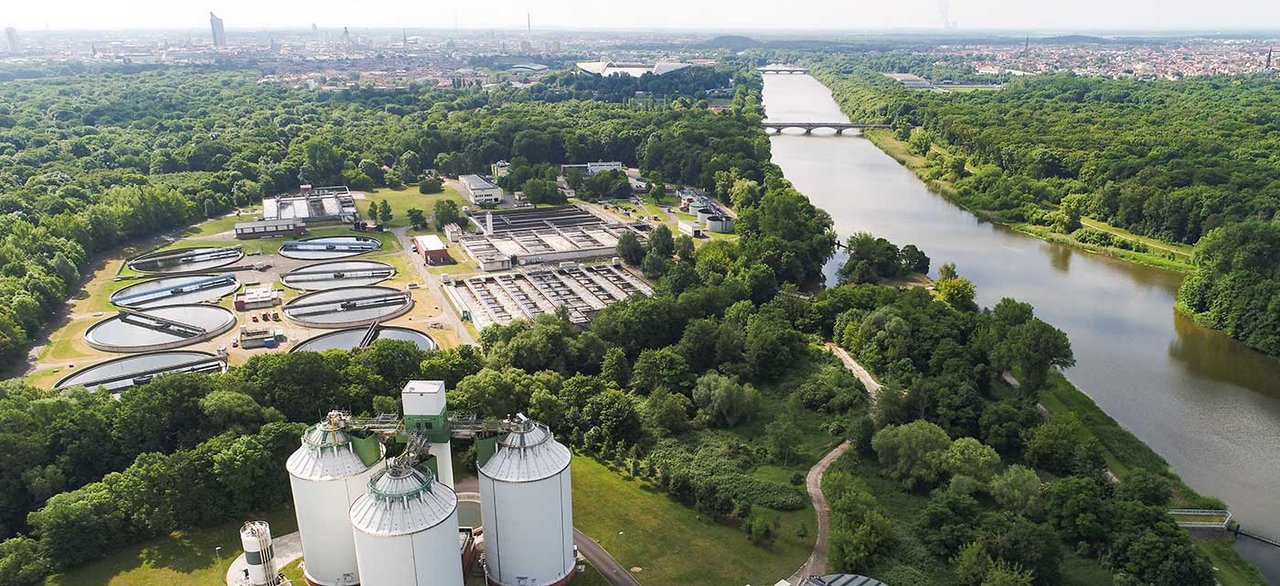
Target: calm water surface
(1207, 404)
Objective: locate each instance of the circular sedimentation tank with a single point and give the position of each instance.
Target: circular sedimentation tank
(356, 338)
(329, 247)
(406, 530)
(333, 275)
(183, 290)
(348, 307)
(124, 372)
(526, 502)
(159, 328)
(187, 260)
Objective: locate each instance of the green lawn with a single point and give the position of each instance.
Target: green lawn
(223, 224)
(407, 197)
(184, 557)
(673, 544)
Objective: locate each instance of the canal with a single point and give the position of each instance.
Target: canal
(1207, 404)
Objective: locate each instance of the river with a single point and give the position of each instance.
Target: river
(1206, 403)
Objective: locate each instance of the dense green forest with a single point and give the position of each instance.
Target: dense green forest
(1174, 161)
(692, 83)
(693, 389)
(91, 161)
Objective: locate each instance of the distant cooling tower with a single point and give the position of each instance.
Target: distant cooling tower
(327, 474)
(527, 508)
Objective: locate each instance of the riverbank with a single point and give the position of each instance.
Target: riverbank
(1124, 452)
(1172, 257)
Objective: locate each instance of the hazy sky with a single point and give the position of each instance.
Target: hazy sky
(671, 14)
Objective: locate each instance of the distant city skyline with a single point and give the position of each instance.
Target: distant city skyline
(712, 15)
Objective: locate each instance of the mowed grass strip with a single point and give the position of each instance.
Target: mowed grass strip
(189, 558)
(674, 544)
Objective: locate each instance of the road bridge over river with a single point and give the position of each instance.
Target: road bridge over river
(809, 127)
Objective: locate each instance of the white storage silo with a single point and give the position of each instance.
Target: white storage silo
(259, 555)
(526, 503)
(327, 474)
(406, 530)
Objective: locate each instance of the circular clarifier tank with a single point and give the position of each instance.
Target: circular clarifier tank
(333, 275)
(187, 260)
(175, 291)
(159, 328)
(348, 307)
(329, 247)
(121, 373)
(360, 337)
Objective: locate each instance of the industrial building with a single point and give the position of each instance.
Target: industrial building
(589, 169)
(264, 297)
(607, 68)
(530, 236)
(321, 204)
(432, 249)
(480, 191)
(582, 290)
(366, 517)
(270, 229)
(910, 80)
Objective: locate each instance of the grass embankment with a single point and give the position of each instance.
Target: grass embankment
(183, 557)
(1124, 452)
(672, 544)
(1169, 256)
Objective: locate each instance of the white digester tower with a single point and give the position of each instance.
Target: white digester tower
(259, 555)
(327, 474)
(526, 503)
(425, 412)
(406, 529)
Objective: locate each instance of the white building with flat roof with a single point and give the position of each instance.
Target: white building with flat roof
(480, 191)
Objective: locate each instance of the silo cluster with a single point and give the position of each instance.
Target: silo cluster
(366, 520)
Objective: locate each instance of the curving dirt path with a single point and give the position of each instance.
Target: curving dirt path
(816, 565)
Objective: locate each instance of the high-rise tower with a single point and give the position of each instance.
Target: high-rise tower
(219, 31)
(11, 37)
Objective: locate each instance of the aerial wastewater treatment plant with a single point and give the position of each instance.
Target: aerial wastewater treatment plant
(376, 504)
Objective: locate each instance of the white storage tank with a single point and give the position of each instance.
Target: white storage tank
(327, 474)
(259, 555)
(526, 504)
(406, 530)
